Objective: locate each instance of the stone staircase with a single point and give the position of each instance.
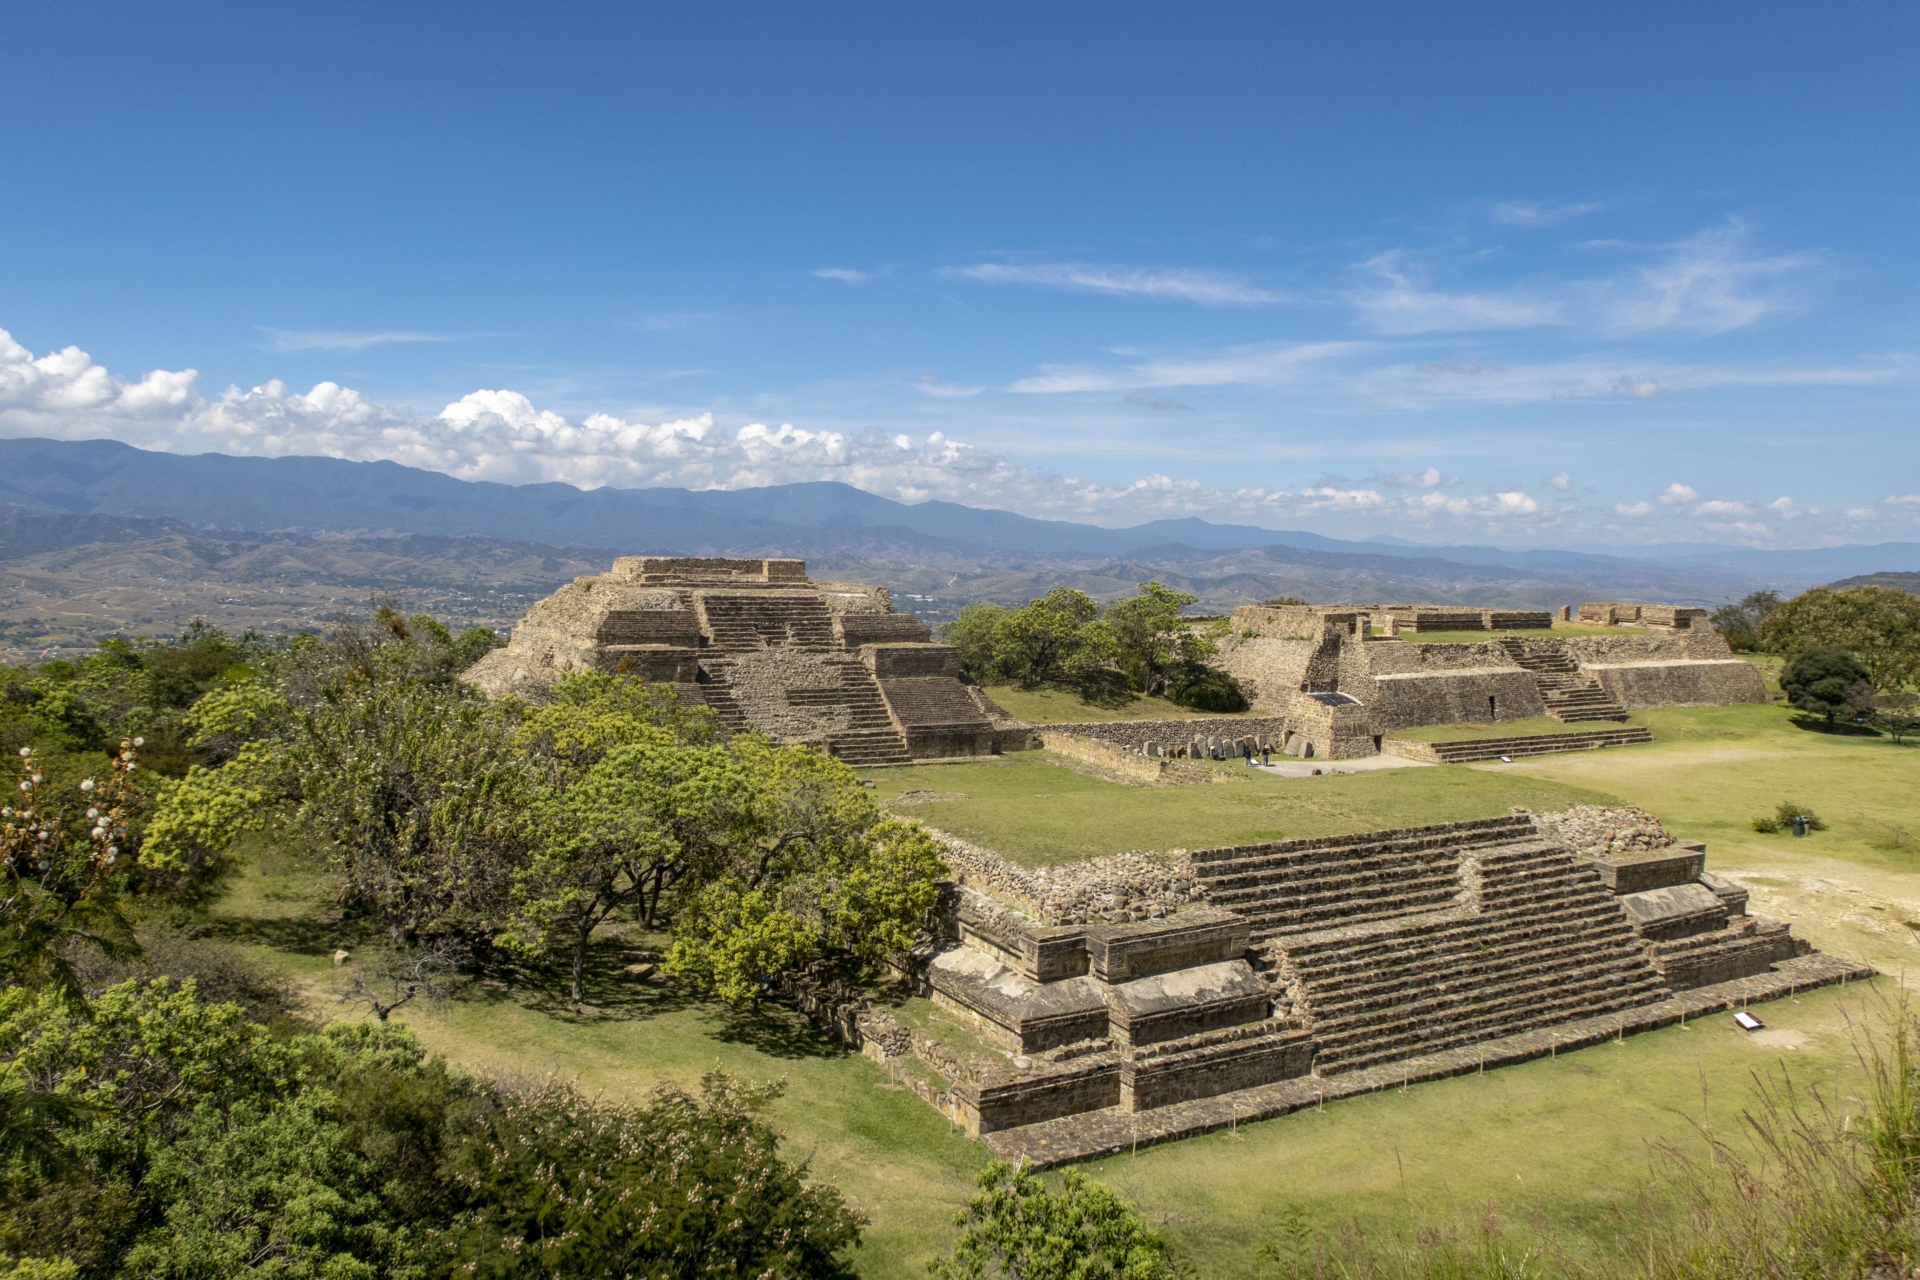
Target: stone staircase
(1468, 749)
(1405, 943)
(717, 691)
(739, 621)
(871, 738)
(1570, 696)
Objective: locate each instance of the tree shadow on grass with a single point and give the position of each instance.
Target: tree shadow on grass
(1108, 690)
(1838, 729)
(777, 1030)
(610, 992)
(311, 935)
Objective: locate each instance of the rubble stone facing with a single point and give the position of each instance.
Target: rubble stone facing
(1115, 889)
(824, 663)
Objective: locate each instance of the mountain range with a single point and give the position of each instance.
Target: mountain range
(310, 494)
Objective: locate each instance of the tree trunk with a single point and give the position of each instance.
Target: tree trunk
(580, 959)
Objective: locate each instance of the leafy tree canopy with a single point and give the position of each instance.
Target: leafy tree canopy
(1879, 626)
(1017, 1228)
(1826, 682)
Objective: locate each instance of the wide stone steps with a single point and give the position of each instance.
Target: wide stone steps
(1343, 1058)
(1473, 940)
(862, 747)
(1342, 850)
(1547, 944)
(1467, 750)
(1441, 968)
(759, 622)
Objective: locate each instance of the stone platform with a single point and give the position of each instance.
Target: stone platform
(1107, 1132)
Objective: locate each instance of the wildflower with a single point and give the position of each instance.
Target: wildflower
(87, 785)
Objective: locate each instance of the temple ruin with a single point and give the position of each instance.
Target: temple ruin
(769, 649)
(1148, 997)
(1342, 679)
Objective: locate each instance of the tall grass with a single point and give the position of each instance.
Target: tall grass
(1801, 1189)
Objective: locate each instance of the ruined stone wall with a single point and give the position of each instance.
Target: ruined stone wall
(1134, 735)
(1649, 646)
(1113, 889)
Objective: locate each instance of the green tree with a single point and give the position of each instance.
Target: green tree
(807, 872)
(1017, 1228)
(64, 857)
(681, 1186)
(1879, 626)
(1740, 623)
(975, 634)
(1825, 682)
(1150, 641)
(1056, 639)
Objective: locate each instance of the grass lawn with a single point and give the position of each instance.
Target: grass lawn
(1503, 729)
(1039, 812)
(1064, 706)
(1556, 1145)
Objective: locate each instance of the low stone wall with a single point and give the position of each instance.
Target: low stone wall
(1110, 890)
(1134, 735)
(1105, 755)
(1600, 831)
(1637, 685)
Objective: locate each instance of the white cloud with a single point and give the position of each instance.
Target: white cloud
(1559, 480)
(1784, 506)
(1431, 478)
(933, 386)
(500, 434)
(846, 275)
(1401, 306)
(1639, 388)
(1537, 213)
(1708, 283)
(1206, 287)
(347, 340)
(1269, 364)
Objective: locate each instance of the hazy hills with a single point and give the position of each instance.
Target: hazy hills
(97, 537)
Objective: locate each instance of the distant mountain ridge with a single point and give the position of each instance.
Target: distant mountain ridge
(311, 494)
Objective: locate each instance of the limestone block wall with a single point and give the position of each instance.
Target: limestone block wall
(760, 682)
(1683, 668)
(1473, 696)
(854, 597)
(856, 629)
(1110, 890)
(1270, 668)
(1637, 685)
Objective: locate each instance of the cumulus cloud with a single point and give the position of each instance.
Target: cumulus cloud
(1206, 287)
(1634, 509)
(1676, 493)
(845, 275)
(1719, 508)
(1559, 480)
(1538, 213)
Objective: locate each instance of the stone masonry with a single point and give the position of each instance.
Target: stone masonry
(827, 663)
(1341, 689)
(1299, 969)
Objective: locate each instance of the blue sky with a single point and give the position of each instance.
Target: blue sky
(1492, 272)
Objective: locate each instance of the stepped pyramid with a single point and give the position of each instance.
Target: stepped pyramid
(1306, 970)
(769, 649)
